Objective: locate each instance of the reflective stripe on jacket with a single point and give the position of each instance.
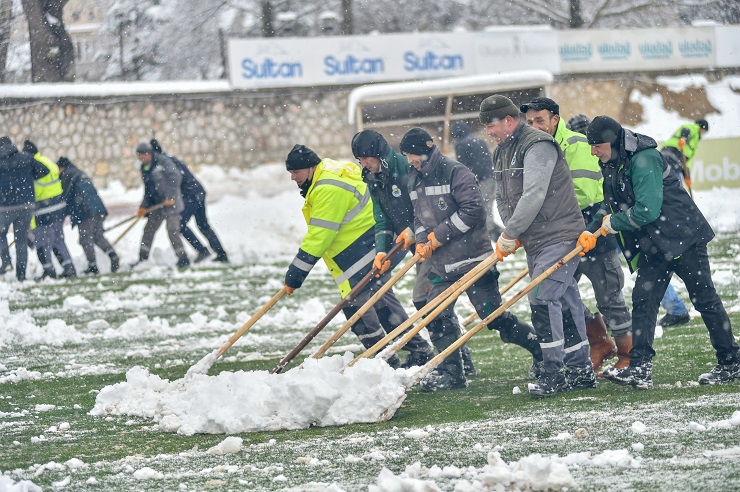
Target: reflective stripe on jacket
(339, 214)
(50, 204)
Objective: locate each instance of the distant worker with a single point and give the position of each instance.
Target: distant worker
(162, 181)
(18, 171)
(49, 217)
(601, 265)
(194, 198)
(86, 211)
(578, 123)
(473, 152)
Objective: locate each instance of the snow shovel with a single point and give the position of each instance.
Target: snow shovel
(146, 211)
(202, 366)
(450, 294)
(506, 288)
(365, 308)
(437, 360)
(330, 316)
(118, 224)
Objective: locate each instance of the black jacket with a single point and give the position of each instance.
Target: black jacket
(83, 201)
(472, 151)
(17, 173)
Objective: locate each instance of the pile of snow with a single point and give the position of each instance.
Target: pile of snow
(319, 392)
(20, 328)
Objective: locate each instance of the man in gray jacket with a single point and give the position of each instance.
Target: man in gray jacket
(450, 227)
(162, 190)
(537, 202)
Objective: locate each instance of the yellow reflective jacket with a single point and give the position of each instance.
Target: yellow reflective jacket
(50, 203)
(584, 167)
(339, 214)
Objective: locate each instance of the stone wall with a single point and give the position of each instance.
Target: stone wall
(242, 129)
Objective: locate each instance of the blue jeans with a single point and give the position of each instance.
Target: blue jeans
(672, 303)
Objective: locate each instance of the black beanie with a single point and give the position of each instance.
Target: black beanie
(704, 124)
(29, 147)
(5, 141)
(496, 108)
(155, 146)
(415, 142)
(369, 143)
(143, 148)
(603, 129)
(64, 162)
(301, 157)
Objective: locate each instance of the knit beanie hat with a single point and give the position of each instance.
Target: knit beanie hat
(704, 124)
(496, 108)
(603, 129)
(64, 162)
(417, 141)
(143, 148)
(301, 157)
(578, 123)
(5, 141)
(30, 147)
(369, 143)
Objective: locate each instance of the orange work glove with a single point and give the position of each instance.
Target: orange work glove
(141, 212)
(606, 226)
(381, 264)
(681, 144)
(407, 237)
(425, 249)
(505, 246)
(169, 202)
(687, 181)
(288, 289)
(587, 241)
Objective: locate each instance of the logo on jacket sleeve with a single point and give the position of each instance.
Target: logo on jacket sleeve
(395, 191)
(442, 204)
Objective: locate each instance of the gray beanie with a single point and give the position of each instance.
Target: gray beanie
(496, 108)
(143, 148)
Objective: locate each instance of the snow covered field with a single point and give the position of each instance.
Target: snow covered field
(93, 394)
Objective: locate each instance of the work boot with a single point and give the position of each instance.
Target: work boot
(91, 270)
(183, 262)
(114, 262)
(512, 330)
(417, 359)
(202, 255)
(721, 373)
(5, 268)
(221, 258)
(394, 361)
(602, 346)
(439, 379)
(624, 345)
(549, 384)
(674, 319)
(467, 359)
(639, 377)
(69, 271)
(47, 273)
(580, 377)
(535, 370)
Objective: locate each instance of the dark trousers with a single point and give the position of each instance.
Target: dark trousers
(91, 235)
(650, 285)
(197, 209)
(20, 218)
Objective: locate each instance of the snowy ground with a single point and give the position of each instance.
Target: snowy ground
(141, 331)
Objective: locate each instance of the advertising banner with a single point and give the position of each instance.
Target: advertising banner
(728, 46)
(277, 62)
(509, 50)
(636, 49)
(716, 163)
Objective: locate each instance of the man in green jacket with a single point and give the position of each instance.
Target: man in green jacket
(601, 265)
(386, 173)
(681, 147)
(660, 231)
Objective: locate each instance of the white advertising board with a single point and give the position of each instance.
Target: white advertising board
(277, 62)
(514, 50)
(728, 46)
(636, 49)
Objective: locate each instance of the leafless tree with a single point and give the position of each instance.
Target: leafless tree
(52, 52)
(6, 19)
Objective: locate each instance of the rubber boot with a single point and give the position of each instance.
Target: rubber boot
(602, 346)
(624, 345)
(449, 374)
(512, 330)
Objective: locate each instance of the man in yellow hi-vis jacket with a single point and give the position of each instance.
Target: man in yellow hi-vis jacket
(339, 213)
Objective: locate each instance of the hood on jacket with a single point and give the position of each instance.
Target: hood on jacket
(7, 149)
(459, 130)
(629, 145)
(369, 143)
